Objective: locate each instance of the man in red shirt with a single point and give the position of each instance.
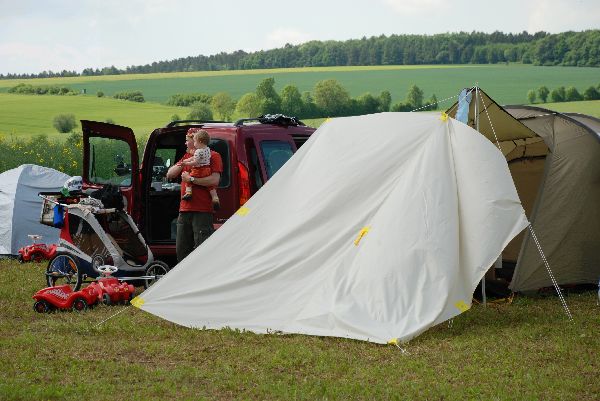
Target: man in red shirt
(195, 221)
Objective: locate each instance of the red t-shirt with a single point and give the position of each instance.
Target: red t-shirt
(201, 200)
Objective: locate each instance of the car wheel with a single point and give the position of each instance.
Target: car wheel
(42, 306)
(63, 269)
(156, 269)
(79, 305)
(36, 257)
(106, 299)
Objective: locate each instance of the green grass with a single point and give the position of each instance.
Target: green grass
(32, 115)
(507, 83)
(590, 107)
(527, 350)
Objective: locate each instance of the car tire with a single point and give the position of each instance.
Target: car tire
(106, 299)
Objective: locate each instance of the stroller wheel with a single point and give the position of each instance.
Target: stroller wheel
(156, 269)
(63, 269)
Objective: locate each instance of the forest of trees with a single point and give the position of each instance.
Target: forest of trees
(580, 49)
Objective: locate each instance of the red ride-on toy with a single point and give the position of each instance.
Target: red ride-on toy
(36, 252)
(63, 297)
(109, 289)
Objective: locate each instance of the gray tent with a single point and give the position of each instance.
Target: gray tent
(554, 159)
(20, 207)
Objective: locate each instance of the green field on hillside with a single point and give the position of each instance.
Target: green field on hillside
(32, 115)
(26, 115)
(507, 83)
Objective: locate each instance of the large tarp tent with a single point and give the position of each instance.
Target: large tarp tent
(378, 228)
(20, 206)
(554, 160)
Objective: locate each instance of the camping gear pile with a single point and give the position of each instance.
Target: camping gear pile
(381, 226)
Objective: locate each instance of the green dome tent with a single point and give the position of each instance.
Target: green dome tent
(554, 160)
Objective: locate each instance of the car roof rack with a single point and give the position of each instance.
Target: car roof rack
(176, 122)
(275, 119)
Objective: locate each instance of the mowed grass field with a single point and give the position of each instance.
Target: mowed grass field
(508, 84)
(526, 350)
(25, 115)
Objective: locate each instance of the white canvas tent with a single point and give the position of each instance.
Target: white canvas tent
(554, 160)
(378, 228)
(20, 206)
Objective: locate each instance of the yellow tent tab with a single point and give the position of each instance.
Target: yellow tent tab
(393, 341)
(444, 116)
(362, 233)
(137, 302)
(327, 120)
(462, 306)
(242, 211)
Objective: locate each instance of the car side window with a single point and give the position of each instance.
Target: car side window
(275, 155)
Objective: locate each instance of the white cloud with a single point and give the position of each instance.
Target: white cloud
(55, 58)
(559, 15)
(281, 36)
(413, 7)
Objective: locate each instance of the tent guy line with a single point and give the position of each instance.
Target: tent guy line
(558, 291)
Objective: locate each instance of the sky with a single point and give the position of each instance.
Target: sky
(38, 35)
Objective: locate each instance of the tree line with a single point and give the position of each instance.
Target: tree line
(580, 49)
(328, 99)
(562, 94)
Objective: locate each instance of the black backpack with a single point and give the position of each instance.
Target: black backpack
(110, 196)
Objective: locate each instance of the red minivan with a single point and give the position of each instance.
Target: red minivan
(252, 150)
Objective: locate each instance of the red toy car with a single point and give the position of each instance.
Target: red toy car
(36, 252)
(63, 297)
(111, 291)
(106, 289)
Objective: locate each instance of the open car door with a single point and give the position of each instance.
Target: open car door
(110, 156)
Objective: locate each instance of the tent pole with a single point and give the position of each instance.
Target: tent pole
(483, 295)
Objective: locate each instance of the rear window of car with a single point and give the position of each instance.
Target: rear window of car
(275, 155)
(221, 147)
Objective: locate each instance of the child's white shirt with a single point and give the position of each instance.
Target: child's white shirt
(202, 156)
